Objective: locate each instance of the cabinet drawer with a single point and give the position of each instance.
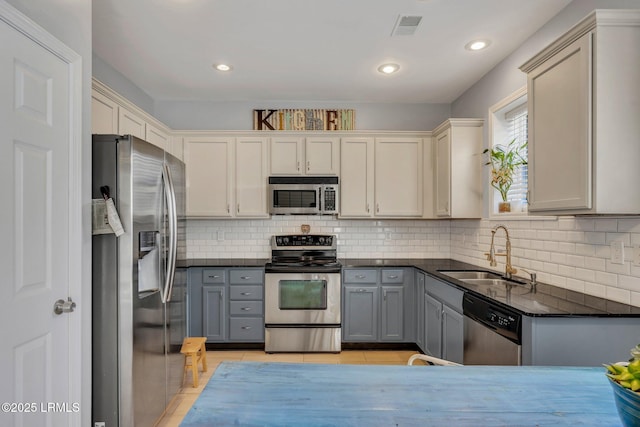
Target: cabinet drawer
(246, 329)
(360, 276)
(249, 277)
(392, 276)
(213, 275)
(245, 308)
(245, 292)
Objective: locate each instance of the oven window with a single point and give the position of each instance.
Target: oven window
(303, 294)
(294, 198)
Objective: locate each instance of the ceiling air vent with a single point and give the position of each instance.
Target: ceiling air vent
(406, 25)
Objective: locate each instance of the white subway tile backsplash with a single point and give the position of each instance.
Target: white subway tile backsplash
(572, 253)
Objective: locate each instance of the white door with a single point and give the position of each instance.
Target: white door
(39, 224)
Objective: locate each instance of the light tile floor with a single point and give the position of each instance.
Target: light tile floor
(188, 394)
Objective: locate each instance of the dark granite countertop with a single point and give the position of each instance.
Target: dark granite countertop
(223, 262)
(547, 300)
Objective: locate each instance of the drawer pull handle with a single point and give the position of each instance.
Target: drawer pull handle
(360, 276)
(361, 290)
(245, 277)
(245, 293)
(392, 277)
(213, 277)
(246, 308)
(246, 328)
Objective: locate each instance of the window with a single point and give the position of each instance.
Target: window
(508, 120)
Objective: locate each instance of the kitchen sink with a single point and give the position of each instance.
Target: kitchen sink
(479, 277)
(493, 282)
(471, 275)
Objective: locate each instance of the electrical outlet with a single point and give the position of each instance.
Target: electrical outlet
(617, 252)
(636, 255)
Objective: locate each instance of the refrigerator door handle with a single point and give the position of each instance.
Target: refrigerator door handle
(173, 233)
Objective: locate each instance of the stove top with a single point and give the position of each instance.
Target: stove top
(304, 253)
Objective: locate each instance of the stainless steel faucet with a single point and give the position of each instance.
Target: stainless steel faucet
(491, 255)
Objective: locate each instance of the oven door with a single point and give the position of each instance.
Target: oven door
(302, 299)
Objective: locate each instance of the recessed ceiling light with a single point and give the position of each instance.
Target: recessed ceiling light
(222, 67)
(388, 68)
(477, 44)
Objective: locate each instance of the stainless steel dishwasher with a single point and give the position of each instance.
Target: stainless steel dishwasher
(492, 333)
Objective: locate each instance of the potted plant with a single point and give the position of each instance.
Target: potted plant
(625, 380)
(504, 160)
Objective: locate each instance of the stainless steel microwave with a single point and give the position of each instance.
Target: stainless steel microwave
(303, 195)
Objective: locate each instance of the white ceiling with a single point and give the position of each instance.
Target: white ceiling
(309, 50)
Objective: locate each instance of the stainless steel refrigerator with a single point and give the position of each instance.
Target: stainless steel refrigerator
(138, 293)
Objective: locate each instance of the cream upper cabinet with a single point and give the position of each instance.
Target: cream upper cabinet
(322, 155)
(356, 177)
(251, 174)
(583, 118)
(398, 177)
(104, 114)
(226, 176)
(287, 156)
(458, 171)
(314, 155)
(130, 123)
(381, 177)
(157, 137)
(209, 174)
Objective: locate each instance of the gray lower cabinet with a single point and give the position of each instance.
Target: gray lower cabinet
(246, 305)
(419, 310)
(377, 305)
(226, 304)
(443, 321)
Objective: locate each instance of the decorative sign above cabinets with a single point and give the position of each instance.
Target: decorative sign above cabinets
(306, 119)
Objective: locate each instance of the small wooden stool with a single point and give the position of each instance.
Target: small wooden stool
(194, 351)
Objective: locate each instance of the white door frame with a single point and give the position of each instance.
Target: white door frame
(79, 339)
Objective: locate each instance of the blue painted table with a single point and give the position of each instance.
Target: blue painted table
(286, 394)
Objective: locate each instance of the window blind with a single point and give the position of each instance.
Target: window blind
(517, 120)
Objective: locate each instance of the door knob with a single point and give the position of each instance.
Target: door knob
(62, 306)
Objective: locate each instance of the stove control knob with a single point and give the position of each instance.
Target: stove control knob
(321, 240)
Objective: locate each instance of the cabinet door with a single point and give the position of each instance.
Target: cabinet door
(356, 177)
(392, 313)
(398, 177)
(208, 174)
(287, 156)
(419, 316)
(157, 137)
(322, 156)
(452, 334)
(251, 177)
(360, 313)
(560, 147)
(131, 124)
(433, 325)
(213, 313)
(104, 114)
(443, 173)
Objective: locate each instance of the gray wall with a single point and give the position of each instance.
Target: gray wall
(70, 22)
(238, 115)
(506, 77)
(108, 75)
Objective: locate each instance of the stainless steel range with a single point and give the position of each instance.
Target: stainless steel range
(303, 295)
